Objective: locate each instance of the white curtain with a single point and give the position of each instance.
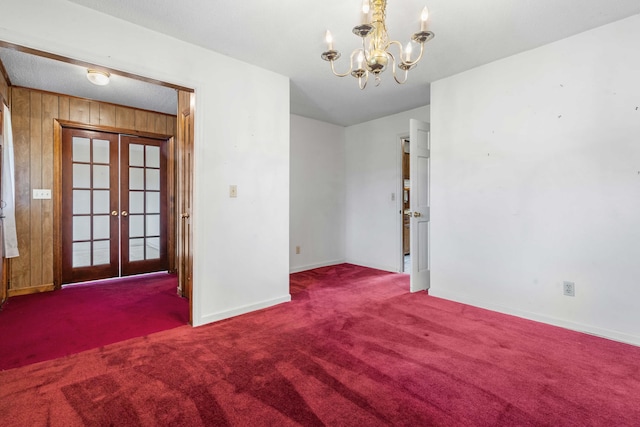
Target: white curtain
(8, 189)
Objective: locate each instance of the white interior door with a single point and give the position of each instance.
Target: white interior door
(419, 204)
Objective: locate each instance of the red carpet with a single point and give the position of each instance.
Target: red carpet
(353, 348)
(45, 326)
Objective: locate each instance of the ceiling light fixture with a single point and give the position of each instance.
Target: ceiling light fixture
(100, 78)
(375, 54)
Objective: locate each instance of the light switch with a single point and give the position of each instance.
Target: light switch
(41, 193)
(233, 191)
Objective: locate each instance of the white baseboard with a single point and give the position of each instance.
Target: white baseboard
(214, 317)
(389, 268)
(579, 327)
(300, 268)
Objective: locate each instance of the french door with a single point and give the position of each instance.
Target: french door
(114, 205)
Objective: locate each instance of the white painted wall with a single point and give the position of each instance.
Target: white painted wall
(536, 180)
(373, 164)
(317, 205)
(241, 260)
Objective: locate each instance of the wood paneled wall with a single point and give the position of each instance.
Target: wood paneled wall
(33, 113)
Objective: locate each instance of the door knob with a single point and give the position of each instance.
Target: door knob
(125, 213)
(114, 213)
(417, 214)
(185, 215)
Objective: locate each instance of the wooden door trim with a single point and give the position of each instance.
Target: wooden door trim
(3, 265)
(58, 126)
(111, 129)
(57, 204)
(184, 195)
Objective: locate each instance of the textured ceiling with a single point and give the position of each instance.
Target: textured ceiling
(287, 37)
(54, 76)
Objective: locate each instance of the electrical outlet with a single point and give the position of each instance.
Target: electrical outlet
(297, 250)
(233, 191)
(569, 289)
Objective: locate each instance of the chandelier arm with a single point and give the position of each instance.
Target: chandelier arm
(339, 74)
(406, 76)
(397, 43)
(395, 77)
(419, 56)
(350, 65)
(401, 49)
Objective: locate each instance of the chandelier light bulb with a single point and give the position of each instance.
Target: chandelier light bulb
(407, 52)
(365, 11)
(360, 60)
(329, 39)
(423, 19)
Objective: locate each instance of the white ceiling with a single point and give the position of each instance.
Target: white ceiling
(287, 37)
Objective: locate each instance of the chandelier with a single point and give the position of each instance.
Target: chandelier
(375, 53)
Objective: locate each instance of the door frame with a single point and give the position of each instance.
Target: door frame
(399, 199)
(183, 205)
(3, 270)
(58, 125)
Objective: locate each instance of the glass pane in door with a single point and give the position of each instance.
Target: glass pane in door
(136, 226)
(81, 227)
(136, 155)
(153, 248)
(101, 201)
(81, 201)
(136, 249)
(101, 252)
(101, 151)
(101, 227)
(136, 178)
(153, 179)
(136, 202)
(152, 159)
(81, 175)
(81, 149)
(153, 202)
(100, 176)
(81, 254)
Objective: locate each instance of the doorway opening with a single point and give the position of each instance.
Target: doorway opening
(414, 210)
(118, 110)
(406, 196)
